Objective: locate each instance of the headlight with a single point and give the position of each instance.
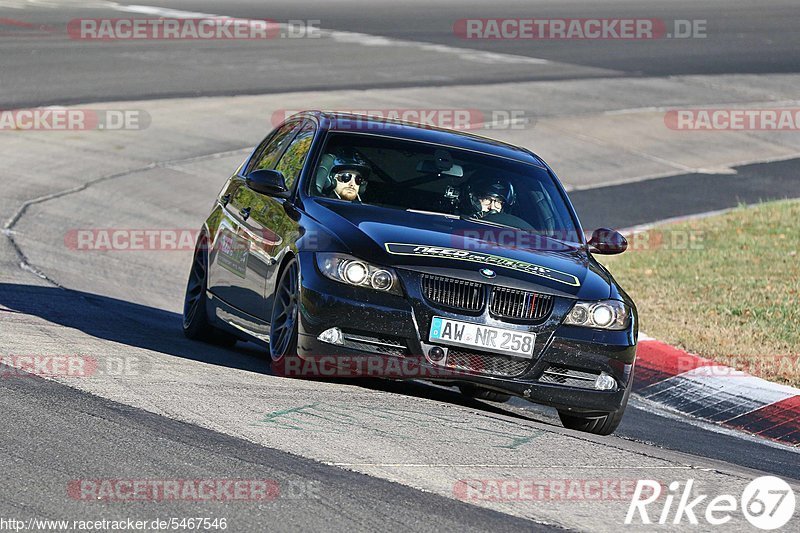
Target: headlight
(347, 269)
(605, 314)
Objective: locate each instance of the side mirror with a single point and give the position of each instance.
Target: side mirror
(607, 241)
(269, 182)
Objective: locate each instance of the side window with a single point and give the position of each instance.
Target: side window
(292, 161)
(269, 154)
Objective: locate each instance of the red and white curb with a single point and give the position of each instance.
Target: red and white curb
(716, 393)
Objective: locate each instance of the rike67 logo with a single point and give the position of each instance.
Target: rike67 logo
(767, 502)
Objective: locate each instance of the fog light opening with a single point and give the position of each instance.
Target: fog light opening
(332, 336)
(436, 354)
(605, 382)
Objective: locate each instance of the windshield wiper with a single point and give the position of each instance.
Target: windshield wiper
(435, 213)
(486, 222)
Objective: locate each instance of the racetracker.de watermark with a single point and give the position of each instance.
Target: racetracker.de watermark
(192, 490)
(200, 28)
(130, 239)
(72, 366)
(363, 365)
(450, 118)
(160, 490)
(733, 119)
(186, 239)
(173, 240)
(70, 119)
(578, 28)
(740, 366)
(638, 240)
(534, 489)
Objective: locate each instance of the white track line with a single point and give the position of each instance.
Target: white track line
(349, 37)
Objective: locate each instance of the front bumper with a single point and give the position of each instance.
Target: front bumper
(387, 336)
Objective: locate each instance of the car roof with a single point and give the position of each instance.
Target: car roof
(373, 125)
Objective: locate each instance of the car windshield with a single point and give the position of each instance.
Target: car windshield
(418, 176)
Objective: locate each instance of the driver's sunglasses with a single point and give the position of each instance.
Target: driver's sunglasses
(345, 177)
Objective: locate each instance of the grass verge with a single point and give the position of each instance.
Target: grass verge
(726, 287)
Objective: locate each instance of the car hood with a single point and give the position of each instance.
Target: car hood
(460, 248)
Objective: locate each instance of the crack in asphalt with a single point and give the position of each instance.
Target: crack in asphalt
(307, 418)
(8, 228)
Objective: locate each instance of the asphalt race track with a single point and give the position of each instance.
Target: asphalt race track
(743, 37)
(347, 455)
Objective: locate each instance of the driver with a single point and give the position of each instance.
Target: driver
(342, 175)
(348, 182)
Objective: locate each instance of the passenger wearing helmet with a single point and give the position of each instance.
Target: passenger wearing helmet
(492, 197)
(491, 201)
(342, 175)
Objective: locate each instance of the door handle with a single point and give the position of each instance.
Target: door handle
(245, 213)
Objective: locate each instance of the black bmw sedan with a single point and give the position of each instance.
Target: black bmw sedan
(354, 245)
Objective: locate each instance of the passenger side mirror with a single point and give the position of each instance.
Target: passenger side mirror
(269, 182)
(608, 241)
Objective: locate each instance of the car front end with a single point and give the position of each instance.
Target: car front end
(550, 358)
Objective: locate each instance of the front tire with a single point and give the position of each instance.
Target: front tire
(196, 325)
(283, 321)
(598, 425)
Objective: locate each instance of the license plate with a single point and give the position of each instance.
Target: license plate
(478, 336)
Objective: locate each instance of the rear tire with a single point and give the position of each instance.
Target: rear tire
(471, 391)
(598, 425)
(196, 325)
